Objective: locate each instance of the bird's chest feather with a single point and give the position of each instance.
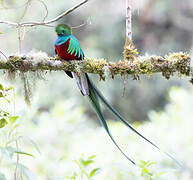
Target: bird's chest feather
(63, 53)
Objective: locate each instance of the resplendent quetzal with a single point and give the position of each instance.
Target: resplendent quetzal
(68, 48)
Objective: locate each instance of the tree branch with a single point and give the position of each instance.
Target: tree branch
(168, 65)
(44, 23)
(128, 20)
(56, 18)
(129, 48)
(8, 23)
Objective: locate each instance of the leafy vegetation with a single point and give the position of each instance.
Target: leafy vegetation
(60, 142)
(50, 137)
(85, 171)
(9, 140)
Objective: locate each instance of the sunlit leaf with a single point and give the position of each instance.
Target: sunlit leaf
(92, 157)
(5, 113)
(94, 172)
(159, 174)
(1, 86)
(86, 162)
(73, 177)
(9, 88)
(12, 119)
(3, 122)
(1, 94)
(24, 153)
(145, 170)
(142, 163)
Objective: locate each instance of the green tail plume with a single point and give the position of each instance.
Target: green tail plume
(95, 103)
(97, 92)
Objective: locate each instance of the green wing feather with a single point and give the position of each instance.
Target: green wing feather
(95, 103)
(74, 48)
(97, 92)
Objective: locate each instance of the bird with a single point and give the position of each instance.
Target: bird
(68, 48)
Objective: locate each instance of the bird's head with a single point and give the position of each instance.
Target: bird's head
(63, 30)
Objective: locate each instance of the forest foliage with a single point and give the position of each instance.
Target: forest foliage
(58, 137)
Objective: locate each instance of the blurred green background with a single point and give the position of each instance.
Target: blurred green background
(61, 121)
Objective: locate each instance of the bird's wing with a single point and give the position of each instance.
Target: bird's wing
(74, 48)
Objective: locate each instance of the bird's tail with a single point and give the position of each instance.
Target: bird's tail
(93, 98)
(98, 94)
(82, 82)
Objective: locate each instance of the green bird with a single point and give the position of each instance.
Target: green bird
(68, 48)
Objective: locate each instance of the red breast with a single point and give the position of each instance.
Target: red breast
(63, 53)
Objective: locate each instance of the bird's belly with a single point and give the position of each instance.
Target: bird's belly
(63, 53)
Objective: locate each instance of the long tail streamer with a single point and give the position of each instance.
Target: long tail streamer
(95, 103)
(102, 98)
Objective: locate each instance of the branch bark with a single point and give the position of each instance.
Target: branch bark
(168, 65)
(21, 25)
(129, 48)
(44, 23)
(128, 21)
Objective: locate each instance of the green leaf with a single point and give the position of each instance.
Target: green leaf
(3, 122)
(142, 163)
(24, 153)
(92, 157)
(2, 176)
(145, 171)
(73, 177)
(1, 94)
(1, 86)
(10, 88)
(9, 151)
(5, 113)
(94, 172)
(12, 119)
(85, 163)
(159, 174)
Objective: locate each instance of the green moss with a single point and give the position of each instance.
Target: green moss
(174, 62)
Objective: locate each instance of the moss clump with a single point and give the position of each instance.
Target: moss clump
(129, 52)
(168, 65)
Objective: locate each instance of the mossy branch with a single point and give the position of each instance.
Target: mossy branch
(168, 65)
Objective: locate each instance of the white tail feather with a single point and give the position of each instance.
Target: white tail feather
(82, 82)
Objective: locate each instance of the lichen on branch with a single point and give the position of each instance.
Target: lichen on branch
(167, 65)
